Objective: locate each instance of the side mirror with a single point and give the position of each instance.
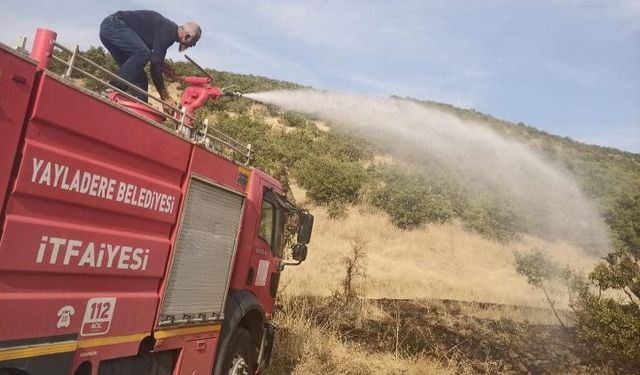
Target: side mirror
(305, 229)
(299, 252)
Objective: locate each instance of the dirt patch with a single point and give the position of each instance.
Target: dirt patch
(445, 331)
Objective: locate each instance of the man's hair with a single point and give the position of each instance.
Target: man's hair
(193, 29)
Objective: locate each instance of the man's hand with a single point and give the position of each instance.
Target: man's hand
(166, 106)
(170, 72)
(167, 102)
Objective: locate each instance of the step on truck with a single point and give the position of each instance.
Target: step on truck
(131, 242)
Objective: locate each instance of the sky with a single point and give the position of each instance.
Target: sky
(568, 67)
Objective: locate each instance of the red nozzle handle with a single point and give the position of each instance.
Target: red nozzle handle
(197, 81)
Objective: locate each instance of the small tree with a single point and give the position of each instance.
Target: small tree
(540, 271)
(355, 264)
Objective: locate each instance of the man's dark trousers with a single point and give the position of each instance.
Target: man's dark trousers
(129, 52)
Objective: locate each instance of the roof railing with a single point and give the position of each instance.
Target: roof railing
(200, 133)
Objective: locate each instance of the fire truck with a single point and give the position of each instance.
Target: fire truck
(131, 242)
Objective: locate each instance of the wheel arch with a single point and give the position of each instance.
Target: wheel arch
(242, 310)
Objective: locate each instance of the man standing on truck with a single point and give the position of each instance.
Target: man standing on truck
(136, 37)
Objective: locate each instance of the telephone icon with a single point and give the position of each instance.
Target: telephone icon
(65, 314)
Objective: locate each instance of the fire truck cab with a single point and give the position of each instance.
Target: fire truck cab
(127, 247)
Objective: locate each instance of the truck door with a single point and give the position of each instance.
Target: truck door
(268, 247)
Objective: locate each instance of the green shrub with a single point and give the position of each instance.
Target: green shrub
(294, 119)
(343, 146)
(330, 181)
(293, 146)
(624, 219)
(607, 329)
(97, 55)
(610, 331)
(491, 218)
(336, 210)
(409, 201)
(248, 131)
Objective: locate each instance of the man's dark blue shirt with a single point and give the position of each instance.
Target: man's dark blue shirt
(157, 32)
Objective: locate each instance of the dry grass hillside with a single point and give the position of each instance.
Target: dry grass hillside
(441, 261)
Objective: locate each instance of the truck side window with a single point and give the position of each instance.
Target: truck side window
(272, 221)
(267, 222)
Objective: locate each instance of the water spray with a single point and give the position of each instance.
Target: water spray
(543, 194)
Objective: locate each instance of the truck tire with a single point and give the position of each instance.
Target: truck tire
(240, 358)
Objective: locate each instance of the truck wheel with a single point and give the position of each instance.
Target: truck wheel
(240, 358)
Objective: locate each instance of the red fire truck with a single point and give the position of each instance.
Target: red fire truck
(126, 246)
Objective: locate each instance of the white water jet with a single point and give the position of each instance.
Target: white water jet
(539, 191)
